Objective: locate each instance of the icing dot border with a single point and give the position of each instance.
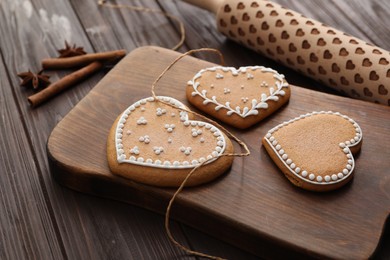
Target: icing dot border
(256, 105)
(310, 176)
(174, 164)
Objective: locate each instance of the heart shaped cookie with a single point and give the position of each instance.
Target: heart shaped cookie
(315, 151)
(156, 144)
(239, 97)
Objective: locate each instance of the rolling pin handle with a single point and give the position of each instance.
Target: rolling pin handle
(209, 5)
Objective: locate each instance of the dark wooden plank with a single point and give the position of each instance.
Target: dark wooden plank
(334, 223)
(102, 41)
(32, 31)
(122, 28)
(26, 225)
(206, 244)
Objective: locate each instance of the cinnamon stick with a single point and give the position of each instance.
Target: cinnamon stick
(79, 61)
(64, 83)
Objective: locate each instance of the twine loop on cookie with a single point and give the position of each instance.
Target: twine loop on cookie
(228, 133)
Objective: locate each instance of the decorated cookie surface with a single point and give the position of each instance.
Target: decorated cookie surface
(156, 144)
(240, 97)
(315, 150)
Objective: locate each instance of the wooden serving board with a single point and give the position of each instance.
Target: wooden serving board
(253, 206)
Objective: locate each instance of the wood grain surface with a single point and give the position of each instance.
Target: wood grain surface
(253, 203)
(39, 218)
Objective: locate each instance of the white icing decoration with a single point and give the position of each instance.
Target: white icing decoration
(160, 111)
(295, 169)
(186, 150)
(255, 104)
(174, 164)
(169, 127)
(158, 150)
(264, 84)
(140, 121)
(144, 139)
(134, 150)
(219, 76)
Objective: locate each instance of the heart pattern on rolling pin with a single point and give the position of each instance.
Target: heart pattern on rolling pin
(288, 36)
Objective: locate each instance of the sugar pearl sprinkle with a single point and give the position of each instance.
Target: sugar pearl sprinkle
(144, 139)
(161, 111)
(302, 173)
(197, 130)
(264, 84)
(219, 76)
(169, 127)
(249, 76)
(244, 99)
(158, 150)
(134, 150)
(226, 91)
(186, 150)
(142, 121)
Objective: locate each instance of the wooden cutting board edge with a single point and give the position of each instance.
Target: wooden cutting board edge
(95, 184)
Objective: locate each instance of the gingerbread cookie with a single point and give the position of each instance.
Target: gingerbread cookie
(239, 97)
(315, 150)
(156, 144)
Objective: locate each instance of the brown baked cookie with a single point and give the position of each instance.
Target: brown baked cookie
(239, 97)
(315, 151)
(155, 144)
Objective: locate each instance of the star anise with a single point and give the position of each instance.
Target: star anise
(35, 81)
(71, 51)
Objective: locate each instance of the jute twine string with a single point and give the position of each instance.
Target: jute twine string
(150, 10)
(228, 133)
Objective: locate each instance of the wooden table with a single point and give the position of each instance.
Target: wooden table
(40, 219)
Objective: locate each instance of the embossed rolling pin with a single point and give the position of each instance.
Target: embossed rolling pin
(340, 61)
